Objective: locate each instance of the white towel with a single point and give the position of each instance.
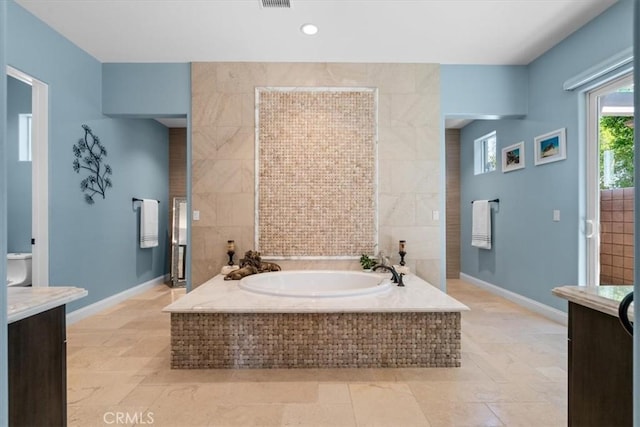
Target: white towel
(481, 224)
(149, 223)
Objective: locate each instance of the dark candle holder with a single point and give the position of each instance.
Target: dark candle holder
(402, 254)
(230, 253)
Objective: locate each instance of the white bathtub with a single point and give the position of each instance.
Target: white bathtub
(316, 283)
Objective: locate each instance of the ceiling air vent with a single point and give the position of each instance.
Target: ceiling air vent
(276, 3)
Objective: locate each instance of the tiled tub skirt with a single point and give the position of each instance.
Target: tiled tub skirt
(315, 340)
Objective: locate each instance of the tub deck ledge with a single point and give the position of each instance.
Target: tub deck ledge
(220, 296)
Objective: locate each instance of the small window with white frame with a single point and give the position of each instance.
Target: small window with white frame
(24, 132)
(485, 153)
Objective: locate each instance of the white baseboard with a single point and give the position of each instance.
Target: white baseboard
(535, 306)
(108, 302)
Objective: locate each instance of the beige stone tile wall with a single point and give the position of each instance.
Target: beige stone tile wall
(223, 156)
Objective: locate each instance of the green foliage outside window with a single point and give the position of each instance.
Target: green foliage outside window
(616, 136)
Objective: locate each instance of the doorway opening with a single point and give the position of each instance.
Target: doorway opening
(611, 186)
(36, 126)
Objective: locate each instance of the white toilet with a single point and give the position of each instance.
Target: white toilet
(18, 269)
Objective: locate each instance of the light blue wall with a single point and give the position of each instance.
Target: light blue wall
(95, 247)
(4, 404)
(484, 91)
(478, 92)
(154, 90)
(101, 241)
(18, 173)
(151, 90)
(531, 253)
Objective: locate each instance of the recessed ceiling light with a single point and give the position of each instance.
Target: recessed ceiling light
(309, 29)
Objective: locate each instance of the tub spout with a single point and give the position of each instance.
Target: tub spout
(395, 276)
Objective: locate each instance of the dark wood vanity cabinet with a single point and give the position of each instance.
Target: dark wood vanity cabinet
(600, 370)
(37, 370)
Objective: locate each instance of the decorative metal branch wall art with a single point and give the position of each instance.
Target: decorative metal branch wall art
(90, 155)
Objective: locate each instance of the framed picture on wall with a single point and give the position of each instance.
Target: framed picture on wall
(550, 147)
(513, 157)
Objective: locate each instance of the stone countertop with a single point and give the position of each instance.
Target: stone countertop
(24, 302)
(220, 296)
(605, 299)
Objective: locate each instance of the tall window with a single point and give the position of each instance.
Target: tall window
(485, 153)
(24, 129)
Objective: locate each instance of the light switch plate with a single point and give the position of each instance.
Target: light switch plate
(435, 215)
(196, 215)
(556, 215)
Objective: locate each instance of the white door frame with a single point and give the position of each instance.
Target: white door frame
(592, 226)
(40, 175)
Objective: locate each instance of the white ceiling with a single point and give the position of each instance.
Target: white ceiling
(444, 31)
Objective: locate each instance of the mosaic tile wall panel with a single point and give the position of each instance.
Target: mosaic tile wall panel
(317, 172)
(315, 340)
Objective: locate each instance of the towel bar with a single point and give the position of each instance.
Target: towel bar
(135, 199)
(492, 200)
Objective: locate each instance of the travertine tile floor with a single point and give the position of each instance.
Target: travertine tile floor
(513, 374)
